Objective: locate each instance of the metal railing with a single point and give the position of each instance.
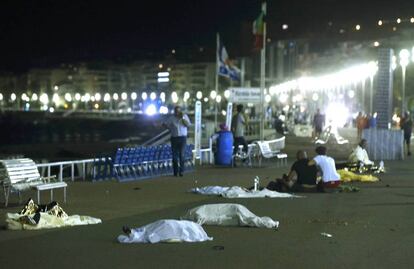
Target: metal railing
(68, 164)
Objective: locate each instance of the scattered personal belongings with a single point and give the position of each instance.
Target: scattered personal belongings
(228, 215)
(327, 235)
(348, 188)
(166, 230)
(239, 192)
(36, 217)
(348, 176)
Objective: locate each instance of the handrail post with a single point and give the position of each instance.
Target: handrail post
(73, 172)
(61, 172)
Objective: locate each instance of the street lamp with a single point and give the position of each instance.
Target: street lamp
(404, 60)
(213, 94)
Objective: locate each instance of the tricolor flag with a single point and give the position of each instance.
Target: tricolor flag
(226, 68)
(258, 28)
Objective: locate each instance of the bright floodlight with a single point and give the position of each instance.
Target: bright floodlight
(218, 98)
(153, 95)
(1, 97)
(115, 96)
(162, 96)
(227, 94)
(98, 97)
(23, 97)
(404, 57)
(124, 96)
(337, 114)
(134, 96)
(107, 97)
(199, 95)
(35, 97)
(357, 27)
(394, 62)
(144, 96)
(380, 22)
(151, 110)
(44, 99)
(315, 97)
(68, 97)
(174, 97)
(376, 44)
(77, 96)
(186, 95)
(351, 94)
(163, 74)
(87, 97)
(398, 20)
(163, 110)
(213, 94)
(56, 99)
(283, 97)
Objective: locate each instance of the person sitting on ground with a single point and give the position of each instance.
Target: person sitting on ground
(301, 178)
(360, 155)
(330, 178)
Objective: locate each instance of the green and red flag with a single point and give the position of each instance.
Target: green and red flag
(258, 28)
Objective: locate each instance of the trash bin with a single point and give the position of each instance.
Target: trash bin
(224, 151)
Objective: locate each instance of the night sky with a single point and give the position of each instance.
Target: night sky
(43, 33)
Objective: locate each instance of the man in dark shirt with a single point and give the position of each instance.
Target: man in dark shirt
(300, 178)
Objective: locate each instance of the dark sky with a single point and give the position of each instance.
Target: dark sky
(39, 33)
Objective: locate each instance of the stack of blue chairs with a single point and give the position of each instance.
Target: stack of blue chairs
(139, 163)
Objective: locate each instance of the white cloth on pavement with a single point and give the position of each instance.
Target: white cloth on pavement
(166, 230)
(239, 192)
(48, 221)
(228, 215)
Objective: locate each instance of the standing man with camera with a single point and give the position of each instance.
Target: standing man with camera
(178, 125)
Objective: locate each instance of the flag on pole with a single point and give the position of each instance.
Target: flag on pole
(226, 67)
(258, 28)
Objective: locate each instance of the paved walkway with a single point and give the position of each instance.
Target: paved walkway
(371, 229)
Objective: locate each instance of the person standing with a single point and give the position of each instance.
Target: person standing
(239, 123)
(178, 125)
(360, 124)
(318, 122)
(407, 127)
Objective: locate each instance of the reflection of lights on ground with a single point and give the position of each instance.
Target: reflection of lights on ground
(151, 110)
(337, 114)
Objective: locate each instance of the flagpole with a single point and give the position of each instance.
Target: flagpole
(217, 78)
(262, 82)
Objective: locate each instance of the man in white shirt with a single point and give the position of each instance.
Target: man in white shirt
(360, 155)
(330, 178)
(178, 125)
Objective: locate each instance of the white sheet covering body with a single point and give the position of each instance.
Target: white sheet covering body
(228, 215)
(167, 230)
(239, 192)
(48, 221)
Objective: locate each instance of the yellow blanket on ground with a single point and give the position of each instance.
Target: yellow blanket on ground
(348, 176)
